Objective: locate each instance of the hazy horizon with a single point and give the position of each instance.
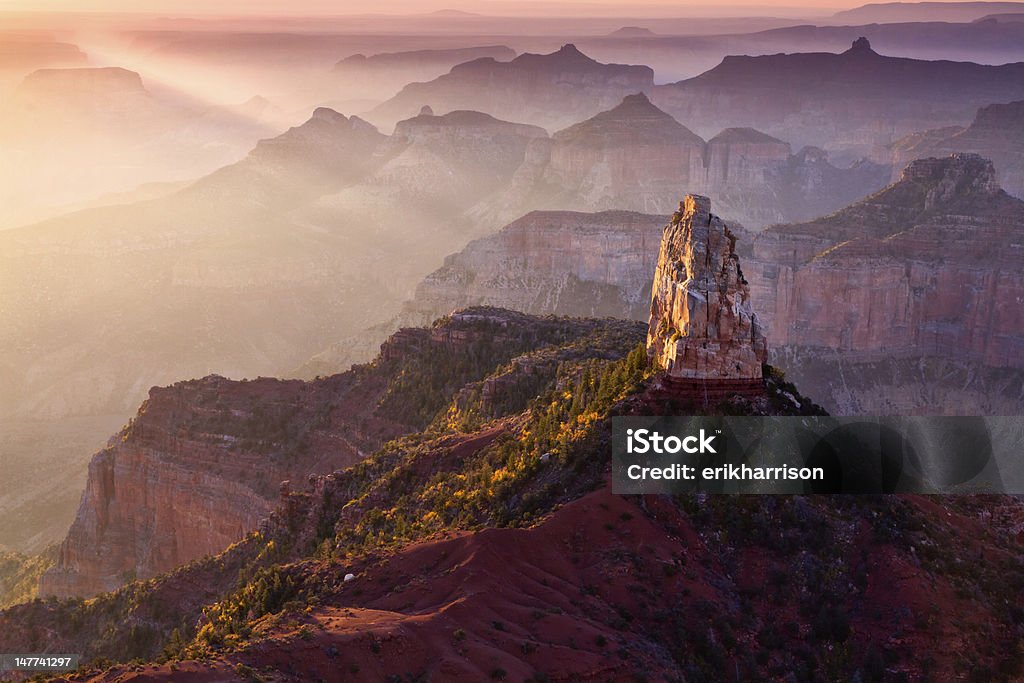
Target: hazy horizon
(563, 8)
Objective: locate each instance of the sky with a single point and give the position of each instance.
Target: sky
(335, 7)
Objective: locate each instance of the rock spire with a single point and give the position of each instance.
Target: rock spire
(702, 324)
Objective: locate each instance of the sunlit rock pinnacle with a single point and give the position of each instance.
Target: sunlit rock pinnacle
(702, 324)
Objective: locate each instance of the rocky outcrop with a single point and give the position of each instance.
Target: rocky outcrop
(734, 154)
(551, 91)
(629, 157)
(326, 151)
(702, 324)
(473, 143)
(856, 102)
(997, 133)
(637, 157)
(746, 174)
(906, 302)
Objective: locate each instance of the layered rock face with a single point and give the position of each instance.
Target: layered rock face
(932, 264)
(702, 323)
(552, 90)
(919, 285)
(997, 133)
(524, 267)
(631, 157)
(906, 302)
(733, 155)
(858, 101)
(746, 173)
(199, 467)
(472, 142)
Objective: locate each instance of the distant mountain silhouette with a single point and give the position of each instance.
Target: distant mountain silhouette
(380, 76)
(857, 101)
(883, 12)
(637, 157)
(632, 32)
(552, 90)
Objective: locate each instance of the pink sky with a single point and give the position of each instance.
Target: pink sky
(583, 8)
(501, 7)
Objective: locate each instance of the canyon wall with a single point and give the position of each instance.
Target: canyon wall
(200, 466)
(932, 266)
(204, 461)
(905, 302)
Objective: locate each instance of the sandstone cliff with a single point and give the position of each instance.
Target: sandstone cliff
(199, 467)
(928, 269)
(524, 267)
(702, 325)
(905, 302)
(930, 265)
(630, 157)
